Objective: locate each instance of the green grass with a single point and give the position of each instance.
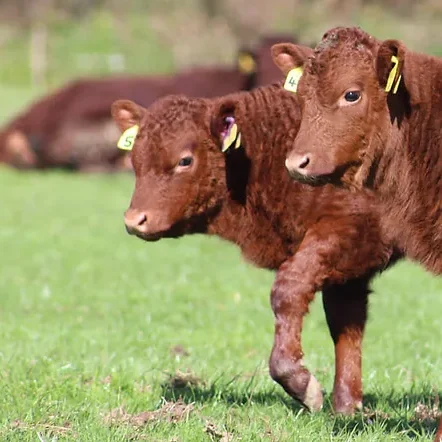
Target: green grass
(89, 315)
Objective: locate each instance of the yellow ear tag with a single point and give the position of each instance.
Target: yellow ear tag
(238, 142)
(246, 64)
(392, 76)
(292, 80)
(127, 139)
(230, 137)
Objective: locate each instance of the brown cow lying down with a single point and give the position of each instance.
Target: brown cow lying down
(317, 239)
(72, 128)
(372, 116)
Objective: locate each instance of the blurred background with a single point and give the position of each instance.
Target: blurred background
(45, 43)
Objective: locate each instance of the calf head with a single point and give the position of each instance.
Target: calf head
(180, 177)
(350, 90)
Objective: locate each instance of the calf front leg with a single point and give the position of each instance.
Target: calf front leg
(290, 299)
(345, 308)
(341, 252)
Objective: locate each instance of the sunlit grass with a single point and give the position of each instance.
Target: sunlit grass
(89, 316)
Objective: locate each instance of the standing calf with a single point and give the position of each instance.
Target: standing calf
(372, 116)
(317, 239)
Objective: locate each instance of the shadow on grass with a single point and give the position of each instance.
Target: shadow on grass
(410, 415)
(201, 393)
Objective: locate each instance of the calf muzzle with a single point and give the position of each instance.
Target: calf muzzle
(297, 163)
(135, 221)
(307, 168)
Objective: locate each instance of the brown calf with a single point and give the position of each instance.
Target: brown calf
(72, 127)
(317, 239)
(355, 131)
(372, 116)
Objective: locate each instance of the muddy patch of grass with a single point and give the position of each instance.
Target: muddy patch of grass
(170, 412)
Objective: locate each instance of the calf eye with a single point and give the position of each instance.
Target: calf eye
(352, 96)
(185, 162)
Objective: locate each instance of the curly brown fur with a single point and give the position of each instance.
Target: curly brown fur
(391, 142)
(316, 238)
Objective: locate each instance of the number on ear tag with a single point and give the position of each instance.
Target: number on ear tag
(127, 139)
(292, 80)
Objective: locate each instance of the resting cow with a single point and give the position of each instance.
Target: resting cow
(317, 239)
(372, 116)
(72, 128)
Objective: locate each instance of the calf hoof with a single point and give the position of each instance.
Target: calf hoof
(313, 398)
(346, 403)
(347, 409)
(298, 382)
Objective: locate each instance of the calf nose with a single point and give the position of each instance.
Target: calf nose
(297, 163)
(134, 221)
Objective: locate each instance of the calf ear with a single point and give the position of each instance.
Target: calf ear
(288, 56)
(390, 64)
(126, 113)
(224, 126)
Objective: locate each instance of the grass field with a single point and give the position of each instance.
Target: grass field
(93, 320)
(106, 338)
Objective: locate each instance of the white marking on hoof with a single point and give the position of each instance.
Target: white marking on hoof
(313, 398)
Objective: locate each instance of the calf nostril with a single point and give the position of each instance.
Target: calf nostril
(142, 218)
(303, 163)
(135, 222)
